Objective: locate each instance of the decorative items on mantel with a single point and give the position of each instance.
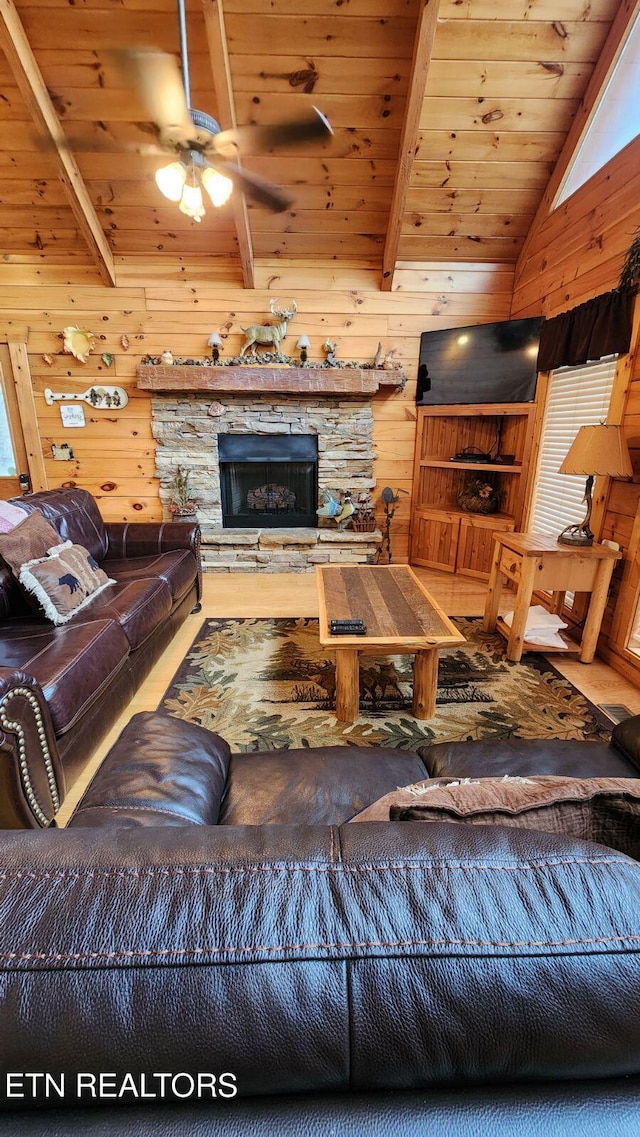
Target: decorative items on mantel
(242, 380)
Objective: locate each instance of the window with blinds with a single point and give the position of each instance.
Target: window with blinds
(577, 396)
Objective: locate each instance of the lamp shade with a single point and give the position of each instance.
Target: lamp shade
(598, 450)
(303, 341)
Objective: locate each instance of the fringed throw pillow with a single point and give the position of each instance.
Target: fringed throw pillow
(64, 581)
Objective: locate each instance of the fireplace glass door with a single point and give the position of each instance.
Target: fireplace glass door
(268, 481)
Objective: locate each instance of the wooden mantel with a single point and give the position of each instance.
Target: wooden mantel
(255, 379)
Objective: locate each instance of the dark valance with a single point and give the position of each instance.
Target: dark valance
(601, 326)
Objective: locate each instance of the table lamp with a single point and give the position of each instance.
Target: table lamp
(595, 450)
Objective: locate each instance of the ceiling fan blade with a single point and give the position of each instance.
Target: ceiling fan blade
(157, 77)
(256, 139)
(255, 187)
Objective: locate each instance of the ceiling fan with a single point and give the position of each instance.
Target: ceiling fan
(203, 154)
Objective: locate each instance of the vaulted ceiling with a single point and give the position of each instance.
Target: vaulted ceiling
(446, 129)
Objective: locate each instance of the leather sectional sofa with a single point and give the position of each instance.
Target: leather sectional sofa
(213, 916)
(61, 688)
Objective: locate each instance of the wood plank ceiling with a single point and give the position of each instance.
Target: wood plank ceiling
(502, 87)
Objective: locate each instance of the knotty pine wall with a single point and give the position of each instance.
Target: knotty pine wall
(575, 253)
(175, 304)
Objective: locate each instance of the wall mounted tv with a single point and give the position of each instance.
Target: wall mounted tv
(485, 363)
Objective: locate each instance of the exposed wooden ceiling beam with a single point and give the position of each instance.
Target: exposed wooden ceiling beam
(422, 48)
(17, 49)
(626, 14)
(217, 41)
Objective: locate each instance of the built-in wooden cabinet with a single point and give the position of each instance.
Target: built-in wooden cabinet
(443, 535)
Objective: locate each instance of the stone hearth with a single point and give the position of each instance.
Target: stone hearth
(186, 427)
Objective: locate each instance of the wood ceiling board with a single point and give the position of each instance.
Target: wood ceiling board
(459, 248)
(523, 40)
(563, 10)
(165, 217)
(382, 9)
(327, 171)
(259, 74)
(341, 110)
(480, 175)
(144, 241)
(466, 224)
(319, 36)
(319, 221)
(446, 200)
(479, 78)
(306, 245)
(478, 146)
(507, 115)
(57, 29)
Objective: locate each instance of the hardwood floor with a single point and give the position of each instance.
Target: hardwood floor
(294, 594)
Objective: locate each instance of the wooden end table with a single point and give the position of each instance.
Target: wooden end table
(532, 561)
(401, 618)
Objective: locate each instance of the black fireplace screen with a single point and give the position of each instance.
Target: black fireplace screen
(268, 481)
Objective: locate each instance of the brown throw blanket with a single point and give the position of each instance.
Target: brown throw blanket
(605, 810)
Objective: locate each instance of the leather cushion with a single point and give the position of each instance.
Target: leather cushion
(177, 568)
(324, 786)
(139, 606)
(314, 959)
(72, 663)
(160, 771)
(491, 758)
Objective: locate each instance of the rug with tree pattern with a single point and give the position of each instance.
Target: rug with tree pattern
(266, 683)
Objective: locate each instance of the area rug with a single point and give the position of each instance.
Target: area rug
(267, 684)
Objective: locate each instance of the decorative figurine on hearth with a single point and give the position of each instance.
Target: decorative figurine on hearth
(343, 519)
(364, 519)
(330, 506)
(181, 501)
(389, 500)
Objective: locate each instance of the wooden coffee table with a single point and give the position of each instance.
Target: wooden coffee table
(401, 619)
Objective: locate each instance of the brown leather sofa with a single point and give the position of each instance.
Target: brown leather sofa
(61, 688)
(390, 979)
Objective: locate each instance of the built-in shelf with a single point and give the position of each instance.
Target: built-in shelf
(455, 509)
(444, 536)
(449, 464)
(256, 379)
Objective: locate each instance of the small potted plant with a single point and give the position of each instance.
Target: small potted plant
(181, 502)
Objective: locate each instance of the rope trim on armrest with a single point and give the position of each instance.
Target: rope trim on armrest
(16, 727)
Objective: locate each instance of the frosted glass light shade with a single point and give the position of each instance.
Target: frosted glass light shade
(217, 186)
(170, 180)
(191, 202)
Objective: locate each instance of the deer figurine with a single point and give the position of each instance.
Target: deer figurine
(270, 335)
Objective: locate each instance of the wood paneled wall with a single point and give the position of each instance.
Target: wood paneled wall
(572, 254)
(168, 303)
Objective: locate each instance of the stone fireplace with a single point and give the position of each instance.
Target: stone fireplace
(263, 455)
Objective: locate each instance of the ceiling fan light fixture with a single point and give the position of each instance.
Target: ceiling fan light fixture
(170, 180)
(217, 186)
(191, 202)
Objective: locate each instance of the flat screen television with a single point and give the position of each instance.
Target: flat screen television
(485, 363)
